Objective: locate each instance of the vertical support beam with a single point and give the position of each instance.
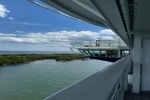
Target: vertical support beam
(136, 63)
(106, 53)
(119, 53)
(125, 77)
(100, 52)
(125, 80)
(145, 82)
(131, 64)
(131, 51)
(94, 53)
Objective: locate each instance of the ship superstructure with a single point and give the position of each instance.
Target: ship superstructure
(130, 20)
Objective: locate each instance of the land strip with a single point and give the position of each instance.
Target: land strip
(12, 59)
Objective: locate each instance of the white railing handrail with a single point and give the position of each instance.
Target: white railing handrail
(102, 43)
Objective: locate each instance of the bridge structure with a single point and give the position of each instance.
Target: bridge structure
(130, 20)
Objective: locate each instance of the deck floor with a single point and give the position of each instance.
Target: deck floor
(134, 96)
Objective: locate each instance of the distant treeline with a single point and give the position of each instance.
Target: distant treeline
(11, 59)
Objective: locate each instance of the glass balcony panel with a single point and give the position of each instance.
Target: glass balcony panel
(92, 53)
(83, 52)
(87, 52)
(97, 53)
(103, 53)
(125, 53)
(102, 44)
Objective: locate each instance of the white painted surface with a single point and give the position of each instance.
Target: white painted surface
(146, 66)
(130, 79)
(136, 62)
(119, 53)
(125, 79)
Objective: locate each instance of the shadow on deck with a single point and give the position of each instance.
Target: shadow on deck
(145, 95)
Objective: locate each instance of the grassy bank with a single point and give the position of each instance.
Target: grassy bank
(11, 59)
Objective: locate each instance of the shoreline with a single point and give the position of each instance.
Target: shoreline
(14, 59)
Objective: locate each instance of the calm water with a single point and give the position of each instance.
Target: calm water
(39, 79)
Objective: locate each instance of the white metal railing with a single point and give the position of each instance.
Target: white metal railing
(103, 85)
(102, 44)
(122, 83)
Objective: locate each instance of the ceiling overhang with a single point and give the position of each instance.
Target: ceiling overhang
(104, 13)
(72, 8)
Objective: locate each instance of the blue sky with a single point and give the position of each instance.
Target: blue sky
(28, 27)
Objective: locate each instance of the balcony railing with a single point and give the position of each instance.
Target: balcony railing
(106, 84)
(99, 44)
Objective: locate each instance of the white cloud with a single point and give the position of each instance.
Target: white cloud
(57, 39)
(11, 18)
(7, 35)
(107, 38)
(33, 24)
(60, 38)
(19, 31)
(17, 40)
(3, 11)
(107, 32)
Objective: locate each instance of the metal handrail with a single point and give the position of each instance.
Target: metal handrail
(103, 43)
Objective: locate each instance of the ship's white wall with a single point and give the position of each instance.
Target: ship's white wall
(136, 63)
(146, 65)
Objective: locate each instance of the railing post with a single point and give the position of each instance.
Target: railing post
(119, 53)
(106, 52)
(125, 78)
